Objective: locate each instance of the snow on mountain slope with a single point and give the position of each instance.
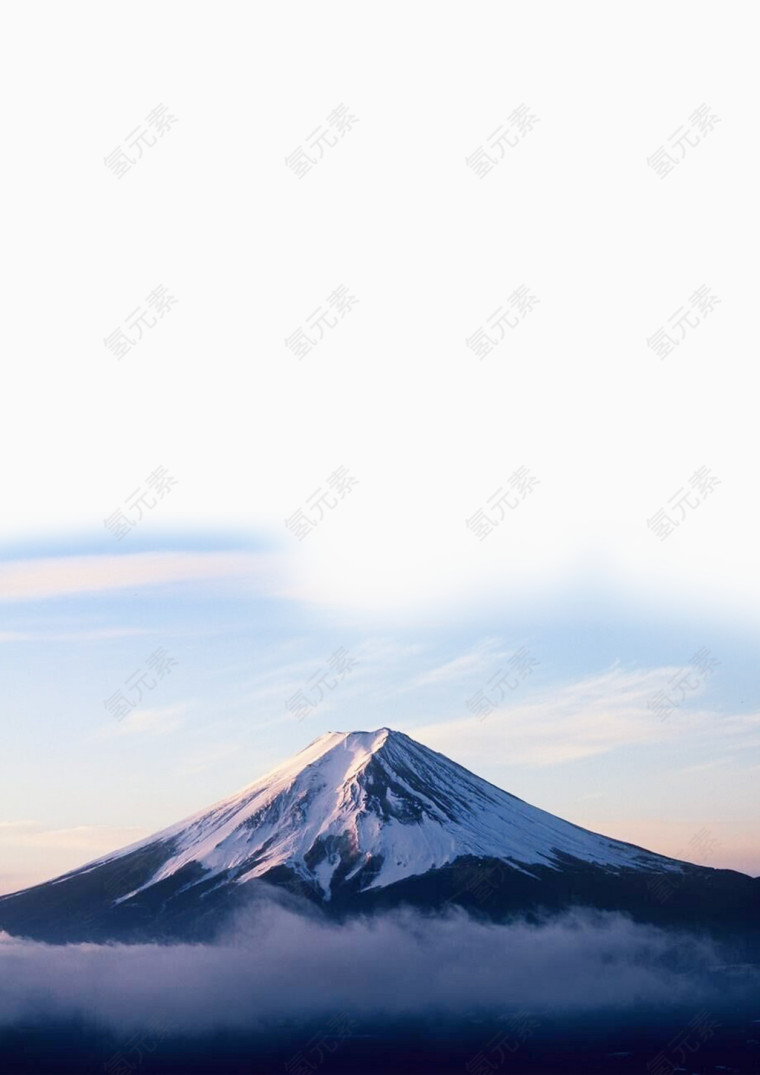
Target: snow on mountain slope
(377, 807)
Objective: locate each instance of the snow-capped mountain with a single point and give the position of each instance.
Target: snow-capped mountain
(377, 807)
(354, 820)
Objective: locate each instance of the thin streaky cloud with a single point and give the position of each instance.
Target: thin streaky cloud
(158, 721)
(84, 837)
(562, 723)
(484, 658)
(24, 580)
(104, 635)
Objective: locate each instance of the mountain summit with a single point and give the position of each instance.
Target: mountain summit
(373, 808)
(356, 820)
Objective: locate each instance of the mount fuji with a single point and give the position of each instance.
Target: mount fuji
(364, 821)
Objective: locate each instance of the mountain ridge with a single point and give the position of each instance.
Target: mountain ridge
(374, 779)
(357, 820)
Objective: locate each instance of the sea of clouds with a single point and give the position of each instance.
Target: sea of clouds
(275, 963)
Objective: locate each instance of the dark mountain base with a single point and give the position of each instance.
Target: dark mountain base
(188, 907)
(599, 1045)
(720, 903)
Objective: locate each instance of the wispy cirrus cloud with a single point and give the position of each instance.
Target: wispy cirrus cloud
(551, 724)
(32, 852)
(157, 721)
(478, 659)
(210, 757)
(103, 635)
(25, 580)
(282, 672)
(77, 838)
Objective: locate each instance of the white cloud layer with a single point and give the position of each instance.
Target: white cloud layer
(279, 964)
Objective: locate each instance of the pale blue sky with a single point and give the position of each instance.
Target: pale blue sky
(573, 733)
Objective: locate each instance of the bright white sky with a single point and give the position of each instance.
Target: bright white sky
(210, 211)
